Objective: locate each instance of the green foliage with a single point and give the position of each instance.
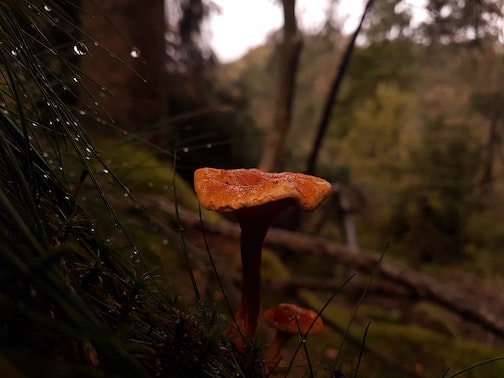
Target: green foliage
(459, 21)
(410, 131)
(428, 348)
(143, 174)
(388, 19)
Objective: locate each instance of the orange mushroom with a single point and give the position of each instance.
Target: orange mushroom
(289, 319)
(256, 198)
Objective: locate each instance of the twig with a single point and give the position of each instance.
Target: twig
(333, 94)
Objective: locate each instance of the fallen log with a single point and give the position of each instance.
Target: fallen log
(467, 305)
(423, 286)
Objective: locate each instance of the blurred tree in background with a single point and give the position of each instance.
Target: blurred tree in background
(416, 123)
(164, 92)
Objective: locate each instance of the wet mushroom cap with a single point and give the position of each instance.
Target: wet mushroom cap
(226, 190)
(290, 318)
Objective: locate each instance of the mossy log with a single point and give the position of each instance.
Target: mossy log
(466, 304)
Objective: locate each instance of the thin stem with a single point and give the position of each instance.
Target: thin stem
(252, 237)
(254, 223)
(273, 350)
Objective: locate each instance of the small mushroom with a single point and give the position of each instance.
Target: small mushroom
(289, 319)
(256, 198)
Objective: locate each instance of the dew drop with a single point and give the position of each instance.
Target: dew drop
(135, 52)
(185, 149)
(47, 8)
(80, 49)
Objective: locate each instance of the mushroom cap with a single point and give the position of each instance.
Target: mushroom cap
(291, 318)
(227, 190)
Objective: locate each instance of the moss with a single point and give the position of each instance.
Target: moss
(418, 348)
(142, 173)
(435, 318)
(339, 316)
(155, 250)
(273, 267)
(432, 353)
(379, 314)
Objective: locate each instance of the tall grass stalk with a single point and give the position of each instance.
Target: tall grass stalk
(471, 367)
(356, 309)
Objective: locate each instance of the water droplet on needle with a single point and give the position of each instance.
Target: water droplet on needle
(80, 49)
(135, 52)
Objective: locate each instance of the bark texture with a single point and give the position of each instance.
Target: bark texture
(124, 71)
(289, 52)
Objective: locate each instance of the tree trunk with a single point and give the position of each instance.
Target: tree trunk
(311, 164)
(493, 140)
(125, 74)
(289, 52)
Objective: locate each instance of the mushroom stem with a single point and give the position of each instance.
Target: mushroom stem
(251, 242)
(288, 319)
(254, 223)
(273, 350)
